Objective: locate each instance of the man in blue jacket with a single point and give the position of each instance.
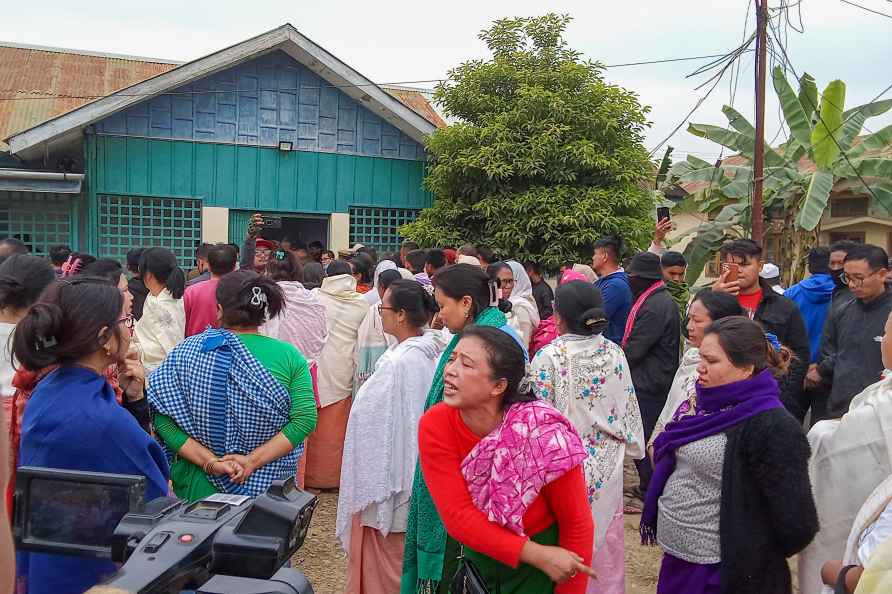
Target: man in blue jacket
(614, 286)
(813, 297)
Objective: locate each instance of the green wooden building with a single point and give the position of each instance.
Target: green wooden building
(184, 153)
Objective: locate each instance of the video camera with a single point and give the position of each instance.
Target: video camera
(220, 544)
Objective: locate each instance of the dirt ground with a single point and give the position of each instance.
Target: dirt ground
(322, 558)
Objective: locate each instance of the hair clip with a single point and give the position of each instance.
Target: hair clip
(525, 384)
(493, 294)
(773, 341)
(258, 298)
(280, 254)
(71, 266)
(45, 343)
(593, 321)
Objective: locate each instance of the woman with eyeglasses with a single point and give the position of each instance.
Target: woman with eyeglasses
(586, 377)
(72, 421)
(516, 289)
(381, 445)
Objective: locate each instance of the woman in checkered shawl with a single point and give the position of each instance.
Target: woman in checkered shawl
(233, 407)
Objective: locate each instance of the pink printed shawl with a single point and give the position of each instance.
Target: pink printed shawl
(534, 445)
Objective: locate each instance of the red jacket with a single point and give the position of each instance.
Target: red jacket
(444, 441)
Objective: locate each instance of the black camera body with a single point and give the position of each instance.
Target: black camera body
(222, 543)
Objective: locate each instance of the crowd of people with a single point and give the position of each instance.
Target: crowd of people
(474, 417)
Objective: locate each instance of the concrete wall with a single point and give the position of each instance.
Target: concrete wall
(339, 231)
(214, 224)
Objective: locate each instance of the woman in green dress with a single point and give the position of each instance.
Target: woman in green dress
(233, 407)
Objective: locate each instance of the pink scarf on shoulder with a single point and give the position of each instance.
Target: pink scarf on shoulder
(633, 313)
(534, 446)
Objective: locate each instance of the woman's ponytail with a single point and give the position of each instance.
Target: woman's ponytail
(746, 343)
(72, 320)
(36, 338)
(176, 283)
(777, 356)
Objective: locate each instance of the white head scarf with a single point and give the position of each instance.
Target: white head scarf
(522, 295)
(372, 296)
(523, 288)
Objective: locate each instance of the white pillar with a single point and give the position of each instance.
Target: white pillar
(215, 224)
(339, 231)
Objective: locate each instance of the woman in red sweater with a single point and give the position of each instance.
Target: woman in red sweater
(504, 471)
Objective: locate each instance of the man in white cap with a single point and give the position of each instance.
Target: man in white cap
(771, 273)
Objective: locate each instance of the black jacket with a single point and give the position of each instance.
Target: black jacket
(851, 358)
(781, 317)
(653, 346)
(767, 511)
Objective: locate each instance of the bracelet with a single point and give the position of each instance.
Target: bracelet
(840, 587)
(207, 465)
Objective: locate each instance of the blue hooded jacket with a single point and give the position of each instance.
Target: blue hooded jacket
(813, 297)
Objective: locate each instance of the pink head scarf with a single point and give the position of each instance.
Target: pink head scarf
(572, 275)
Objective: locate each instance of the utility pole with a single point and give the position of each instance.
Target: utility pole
(759, 149)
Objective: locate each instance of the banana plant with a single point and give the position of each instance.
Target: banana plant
(822, 133)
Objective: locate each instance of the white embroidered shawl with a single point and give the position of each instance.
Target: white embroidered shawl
(587, 378)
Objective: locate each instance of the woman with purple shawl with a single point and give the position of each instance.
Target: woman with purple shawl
(730, 497)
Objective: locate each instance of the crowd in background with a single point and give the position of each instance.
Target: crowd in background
(474, 416)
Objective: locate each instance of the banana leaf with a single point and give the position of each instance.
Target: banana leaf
(882, 192)
(797, 119)
(855, 118)
(738, 122)
(873, 142)
(808, 95)
(727, 138)
(824, 141)
(864, 168)
(709, 237)
(735, 141)
(815, 200)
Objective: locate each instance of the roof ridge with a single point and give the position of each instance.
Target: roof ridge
(78, 52)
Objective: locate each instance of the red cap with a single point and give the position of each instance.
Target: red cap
(265, 243)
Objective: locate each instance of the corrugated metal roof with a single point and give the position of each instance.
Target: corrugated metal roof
(37, 84)
(416, 99)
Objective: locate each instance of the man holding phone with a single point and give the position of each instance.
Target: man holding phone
(256, 251)
(741, 264)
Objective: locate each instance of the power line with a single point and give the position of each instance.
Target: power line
(728, 59)
(328, 86)
(668, 60)
(888, 16)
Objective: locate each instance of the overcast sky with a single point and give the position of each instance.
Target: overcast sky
(398, 41)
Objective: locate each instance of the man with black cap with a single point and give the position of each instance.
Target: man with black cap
(651, 343)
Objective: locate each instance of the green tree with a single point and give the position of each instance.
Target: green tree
(795, 192)
(545, 157)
